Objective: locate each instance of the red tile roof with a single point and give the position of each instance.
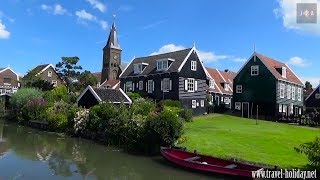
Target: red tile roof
(110, 84)
(221, 77)
(308, 92)
(273, 64)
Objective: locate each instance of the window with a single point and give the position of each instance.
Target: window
(194, 103)
(284, 72)
(128, 86)
(300, 111)
(281, 90)
(222, 99)
(55, 83)
(291, 108)
(254, 70)
(162, 65)
(140, 85)
(211, 83)
(226, 100)
(137, 68)
(166, 85)
(239, 89)
(226, 86)
(8, 91)
(190, 85)
(288, 91)
(150, 86)
(299, 94)
(7, 81)
(284, 109)
(49, 73)
(237, 105)
(293, 93)
(2, 91)
(193, 65)
(280, 108)
(202, 103)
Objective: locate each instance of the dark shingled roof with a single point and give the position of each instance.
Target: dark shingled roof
(113, 39)
(35, 70)
(178, 57)
(111, 95)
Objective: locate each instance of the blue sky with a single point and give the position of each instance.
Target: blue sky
(42, 31)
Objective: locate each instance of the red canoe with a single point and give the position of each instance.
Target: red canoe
(208, 163)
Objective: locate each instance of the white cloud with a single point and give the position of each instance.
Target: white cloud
(287, 12)
(104, 24)
(298, 61)
(239, 59)
(3, 15)
(84, 15)
(56, 9)
(4, 34)
(125, 8)
(205, 56)
(315, 81)
(98, 5)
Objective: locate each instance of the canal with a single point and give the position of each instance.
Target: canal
(27, 153)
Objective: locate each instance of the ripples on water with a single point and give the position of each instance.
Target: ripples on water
(30, 154)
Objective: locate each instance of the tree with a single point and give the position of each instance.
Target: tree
(85, 79)
(40, 84)
(69, 70)
(308, 85)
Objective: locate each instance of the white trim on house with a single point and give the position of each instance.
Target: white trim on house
(125, 95)
(114, 87)
(127, 66)
(313, 91)
(8, 68)
(186, 58)
(221, 75)
(295, 75)
(92, 91)
(49, 65)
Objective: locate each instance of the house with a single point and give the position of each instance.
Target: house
(45, 72)
(9, 81)
(313, 100)
(221, 86)
(266, 87)
(93, 96)
(178, 75)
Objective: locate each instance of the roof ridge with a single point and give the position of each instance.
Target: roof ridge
(164, 53)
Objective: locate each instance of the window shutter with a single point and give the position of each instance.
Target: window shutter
(132, 84)
(124, 87)
(186, 84)
(147, 86)
(195, 85)
(161, 85)
(152, 85)
(170, 85)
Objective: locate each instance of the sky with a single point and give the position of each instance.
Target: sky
(225, 32)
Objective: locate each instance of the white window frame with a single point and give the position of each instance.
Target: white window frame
(211, 83)
(191, 85)
(129, 85)
(162, 65)
(140, 85)
(237, 105)
(55, 83)
(284, 108)
(280, 108)
(288, 91)
(238, 88)
(299, 94)
(193, 65)
(284, 72)
(194, 103)
(202, 103)
(226, 86)
(137, 68)
(281, 90)
(49, 73)
(150, 86)
(293, 93)
(166, 85)
(255, 70)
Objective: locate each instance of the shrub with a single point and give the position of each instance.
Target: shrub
(80, 121)
(172, 103)
(142, 106)
(134, 96)
(186, 115)
(311, 150)
(58, 122)
(35, 108)
(22, 96)
(99, 113)
(57, 94)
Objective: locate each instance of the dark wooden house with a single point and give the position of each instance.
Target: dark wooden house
(313, 100)
(178, 75)
(45, 72)
(268, 88)
(9, 81)
(220, 86)
(93, 96)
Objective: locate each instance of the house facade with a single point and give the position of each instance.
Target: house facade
(267, 88)
(45, 72)
(313, 100)
(9, 81)
(220, 86)
(178, 75)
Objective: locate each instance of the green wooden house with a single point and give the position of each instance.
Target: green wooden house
(267, 88)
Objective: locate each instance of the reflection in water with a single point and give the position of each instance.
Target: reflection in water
(30, 154)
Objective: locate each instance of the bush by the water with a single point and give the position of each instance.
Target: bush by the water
(312, 151)
(186, 115)
(143, 106)
(22, 96)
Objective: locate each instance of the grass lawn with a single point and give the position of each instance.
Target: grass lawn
(268, 142)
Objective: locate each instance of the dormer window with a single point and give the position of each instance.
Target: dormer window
(284, 72)
(211, 83)
(226, 86)
(193, 65)
(138, 68)
(163, 64)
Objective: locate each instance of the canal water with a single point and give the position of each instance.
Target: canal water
(27, 153)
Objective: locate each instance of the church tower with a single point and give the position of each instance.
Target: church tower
(111, 57)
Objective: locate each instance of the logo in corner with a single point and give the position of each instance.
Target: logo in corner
(306, 13)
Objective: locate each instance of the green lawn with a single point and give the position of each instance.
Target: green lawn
(268, 142)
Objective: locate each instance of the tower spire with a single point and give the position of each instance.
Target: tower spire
(114, 21)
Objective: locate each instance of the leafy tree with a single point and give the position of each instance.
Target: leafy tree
(40, 84)
(311, 150)
(22, 96)
(69, 70)
(85, 79)
(308, 85)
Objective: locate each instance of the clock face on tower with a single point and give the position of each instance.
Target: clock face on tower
(115, 57)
